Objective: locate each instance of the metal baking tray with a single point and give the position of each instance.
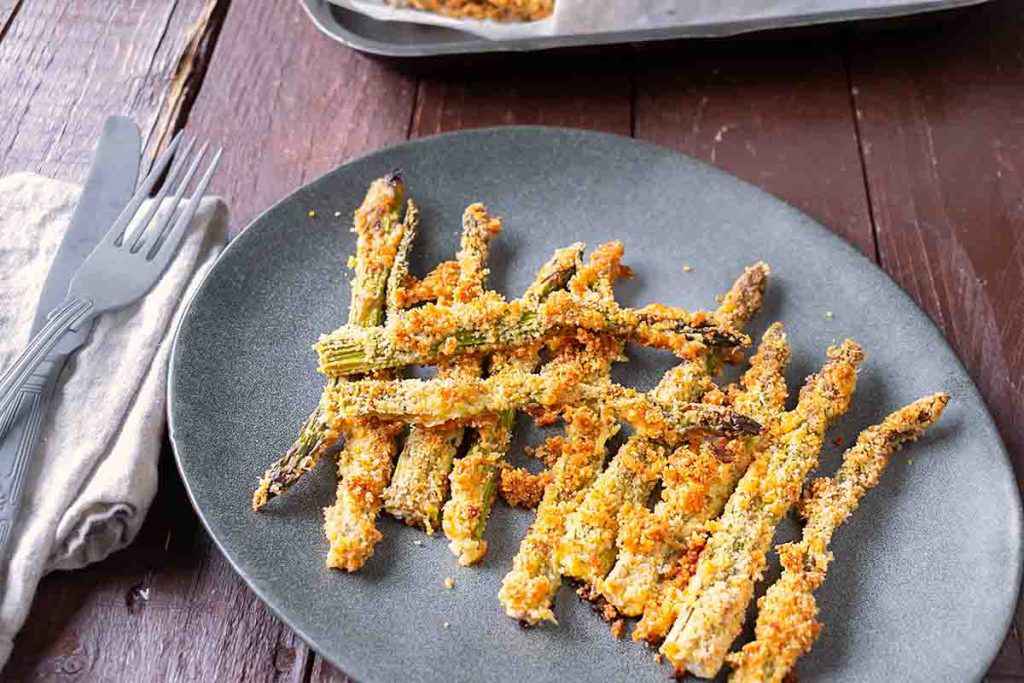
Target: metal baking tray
(400, 39)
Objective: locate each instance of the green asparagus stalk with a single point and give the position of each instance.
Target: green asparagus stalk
(398, 277)
(528, 590)
(657, 549)
(379, 227)
(433, 333)
(419, 484)
(587, 550)
(364, 465)
(474, 477)
(716, 597)
(438, 401)
(787, 623)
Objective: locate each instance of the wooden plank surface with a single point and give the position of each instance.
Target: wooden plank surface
(943, 143)
(934, 158)
(289, 105)
(7, 10)
(65, 66)
(774, 111)
(527, 91)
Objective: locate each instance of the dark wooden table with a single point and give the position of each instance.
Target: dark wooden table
(906, 137)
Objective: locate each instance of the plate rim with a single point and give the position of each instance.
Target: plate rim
(813, 223)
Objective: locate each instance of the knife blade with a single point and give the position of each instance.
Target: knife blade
(109, 186)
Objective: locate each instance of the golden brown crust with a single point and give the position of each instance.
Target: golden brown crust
(528, 589)
(715, 600)
(475, 476)
(494, 10)
(653, 547)
(489, 323)
(438, 284)
(787, 623)
(521, 488)
(364, 472)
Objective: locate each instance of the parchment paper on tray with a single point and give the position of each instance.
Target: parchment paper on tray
(573, 17)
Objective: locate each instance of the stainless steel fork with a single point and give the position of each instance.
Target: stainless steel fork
(123, 267)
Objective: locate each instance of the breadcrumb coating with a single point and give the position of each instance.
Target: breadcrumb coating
(433, 333)
(364, 464)
(438, 284)
(419, 484)
(380, 231)
(475, 477)
(363, 472)
(528, 589)
(549, 451)
(587, 550)
(787, 623)
(716, 597)
(438, 401)
(493, 10)
(654, 566)
(473, 489)
(522, 488)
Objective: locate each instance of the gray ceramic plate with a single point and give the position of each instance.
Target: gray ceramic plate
(403, 39)
(927, 570)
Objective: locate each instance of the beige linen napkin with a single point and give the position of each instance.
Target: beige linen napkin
(90, 483)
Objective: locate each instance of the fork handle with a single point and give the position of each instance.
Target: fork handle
(63, 318)
(22, 424)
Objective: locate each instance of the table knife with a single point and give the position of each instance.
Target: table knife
(109, 186)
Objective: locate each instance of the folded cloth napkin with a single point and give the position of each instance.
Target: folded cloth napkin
(90, 483)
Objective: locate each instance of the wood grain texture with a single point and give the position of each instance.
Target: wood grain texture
(66, 66)
(289, 104)
(774, 111)
(943, 144)
(570, 92)
(7, 10)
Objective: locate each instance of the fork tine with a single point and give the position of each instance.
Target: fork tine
(161, 226)
(185, 219)
(116, 232)
(180, 162)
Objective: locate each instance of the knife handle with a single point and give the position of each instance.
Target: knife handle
(21, 428)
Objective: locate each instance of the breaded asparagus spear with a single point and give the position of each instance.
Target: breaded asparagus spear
(717, 595)
(364, 464)
(379, 228)
(419, 483)
(474, 477)
(364, 468)
(437, 401)
(587, 549)
(433, 333)
(786, 621)
(528, 590)
(657, 550)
